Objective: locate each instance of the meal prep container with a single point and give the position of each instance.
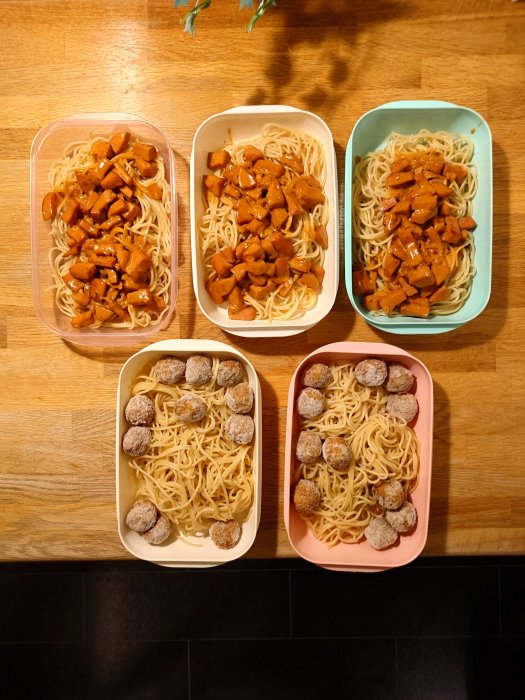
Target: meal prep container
(177, 553)
(408, 117)
(361, 556)
(48, 146)
(243, 124)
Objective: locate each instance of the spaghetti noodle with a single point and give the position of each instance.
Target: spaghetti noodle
(452, 185)
(382, 447)
(193, 473)
(290, 291)
(143, 223)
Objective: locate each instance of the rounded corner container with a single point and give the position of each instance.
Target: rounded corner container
(370, 134)
(194, 552)
(47, 147)
(241, 124)
(361, 557)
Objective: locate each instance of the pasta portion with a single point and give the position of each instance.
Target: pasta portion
(109, 215)
(263, 234)
(413, 247)
(382, 447)
(192, 472)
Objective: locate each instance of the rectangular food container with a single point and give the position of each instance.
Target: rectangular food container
(200, 552)
(361, 556)
(243, 124)
(48, 146)
(370, 134)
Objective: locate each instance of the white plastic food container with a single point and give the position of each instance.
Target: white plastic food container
(243, 124)
(200, 552)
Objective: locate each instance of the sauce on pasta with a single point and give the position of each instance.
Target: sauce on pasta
(412, 217)
(264, 231)
(109, 213)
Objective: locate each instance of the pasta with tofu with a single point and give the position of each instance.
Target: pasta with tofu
(109, 213)
(264, 234)
(413, 244)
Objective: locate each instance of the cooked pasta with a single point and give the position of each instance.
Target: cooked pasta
(383, 447)
(272, 295)
(191, 472)
(374, 235)
(122, 299)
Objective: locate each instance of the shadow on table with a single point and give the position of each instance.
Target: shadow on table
(332, 77)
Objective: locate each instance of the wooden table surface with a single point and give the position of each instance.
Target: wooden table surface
(339, 59)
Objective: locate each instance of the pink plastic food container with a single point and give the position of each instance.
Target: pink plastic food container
(361, 556)
(48, 146)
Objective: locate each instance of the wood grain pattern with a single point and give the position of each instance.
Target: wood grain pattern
(338, 59)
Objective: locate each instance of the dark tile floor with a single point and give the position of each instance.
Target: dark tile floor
(438, 628)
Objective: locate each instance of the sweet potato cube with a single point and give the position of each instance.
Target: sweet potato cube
(390, 300)
(321, 236)
(221, 266)
(246, 313)
(217, 160)
(119, 141)
(144, 151)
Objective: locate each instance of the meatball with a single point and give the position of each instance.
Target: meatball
(229, 373)
(190, 408)
(402, 519)
(389, 494)
(403, 405)
(309, 446)
(140, 410)
(380, 534)
(310, 403)
(240, 429)
(239, 398)
(370, 372)
(142, 515)
(136, 441)
(306, 497)
(198, 369)
(225, 534)
(399, 380)
(337, 452)
(159, 532)
(169, 370)
(317, 375)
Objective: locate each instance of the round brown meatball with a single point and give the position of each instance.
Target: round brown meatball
(198, 369)
(190, 409)
(310, 403)
(140, 410)
(225, 534)
(239, 398)
(136, 441)
(317, 375)
(142, 515)
(240, 428)
(306, 497)
(403, 405)
(402, 519)
(380, 534)
(337, 452)
(309, 446)
(370, 372)
(399, 380)
(169, 370)
(389, 494)
(160, 532)
(229, 373)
